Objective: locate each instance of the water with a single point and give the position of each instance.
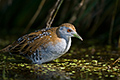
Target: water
(80, 63)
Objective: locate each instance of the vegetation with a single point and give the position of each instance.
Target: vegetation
(94, 19)
(97, 21)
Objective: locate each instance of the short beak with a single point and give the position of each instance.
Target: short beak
(77, 36)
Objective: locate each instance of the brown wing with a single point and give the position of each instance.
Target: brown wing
(28, 44)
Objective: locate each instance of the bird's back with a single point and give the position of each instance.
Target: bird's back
(28, 44)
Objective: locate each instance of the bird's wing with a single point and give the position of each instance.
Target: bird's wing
(29, 43)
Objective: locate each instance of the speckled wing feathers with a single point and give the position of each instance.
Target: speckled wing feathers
(29, 43)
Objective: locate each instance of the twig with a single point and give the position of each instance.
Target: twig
(51, 18)
(112, 23)
(35, 16)
(119, 42)
(116, 61)
(74, 17)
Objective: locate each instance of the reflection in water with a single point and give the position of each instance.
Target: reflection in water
(48, 72)
(85, 63)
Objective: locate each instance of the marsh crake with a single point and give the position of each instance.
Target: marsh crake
(44, 45)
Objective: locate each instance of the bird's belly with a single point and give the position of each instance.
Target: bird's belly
(50, 52)
(53, 52)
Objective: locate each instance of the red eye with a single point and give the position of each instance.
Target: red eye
(69, 30)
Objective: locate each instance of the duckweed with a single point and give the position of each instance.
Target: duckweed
(112, 59)
(112, 75)
(77, 66)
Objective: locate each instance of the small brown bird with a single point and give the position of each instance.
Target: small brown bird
(44, 45)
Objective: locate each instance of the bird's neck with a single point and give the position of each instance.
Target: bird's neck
(67, 39)
(63, 36)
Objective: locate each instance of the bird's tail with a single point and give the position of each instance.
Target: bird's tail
(6, 49)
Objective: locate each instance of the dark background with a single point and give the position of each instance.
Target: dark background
(93, 20)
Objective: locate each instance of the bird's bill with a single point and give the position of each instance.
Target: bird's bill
(77, 36)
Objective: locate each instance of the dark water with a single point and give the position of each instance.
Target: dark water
(80, 63)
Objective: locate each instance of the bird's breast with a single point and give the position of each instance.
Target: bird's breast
(52, 52)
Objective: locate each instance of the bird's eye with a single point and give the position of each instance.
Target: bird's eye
(69, 30)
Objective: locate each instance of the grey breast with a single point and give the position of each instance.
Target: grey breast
(54, 51)
(51, 52)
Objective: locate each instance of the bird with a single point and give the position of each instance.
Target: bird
(45, 44)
